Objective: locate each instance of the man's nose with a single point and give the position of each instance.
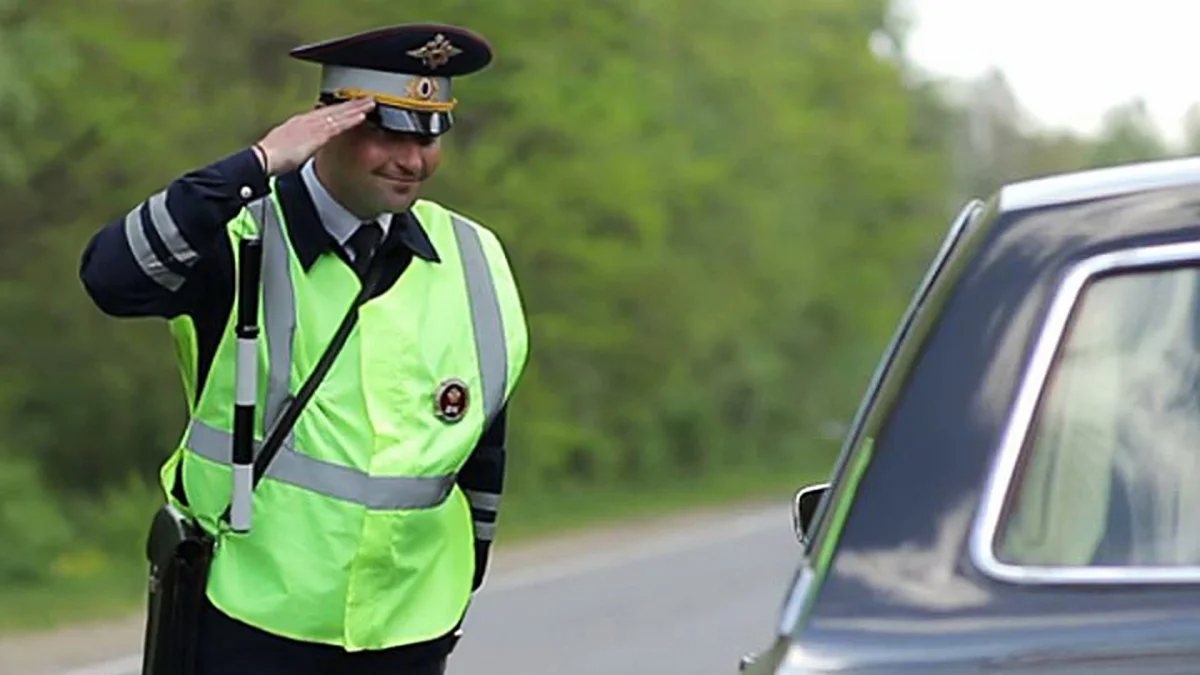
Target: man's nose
(406, 152)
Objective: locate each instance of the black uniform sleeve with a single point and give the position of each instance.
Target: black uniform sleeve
(482, 479)
(168, 254)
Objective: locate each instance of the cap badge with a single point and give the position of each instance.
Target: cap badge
(436, 52)
(450, 401)
(422, 88)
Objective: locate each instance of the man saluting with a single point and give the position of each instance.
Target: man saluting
(372, 524)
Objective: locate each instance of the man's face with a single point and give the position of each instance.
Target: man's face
(378, 171)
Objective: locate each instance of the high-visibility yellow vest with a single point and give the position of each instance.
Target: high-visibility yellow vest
(360, 538)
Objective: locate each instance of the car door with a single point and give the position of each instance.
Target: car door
(1091, 510)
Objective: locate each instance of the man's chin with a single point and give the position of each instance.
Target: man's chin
(397, 201)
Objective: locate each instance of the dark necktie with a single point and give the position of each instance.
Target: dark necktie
(364, 242)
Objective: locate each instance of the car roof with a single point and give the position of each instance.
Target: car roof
(1104, 182)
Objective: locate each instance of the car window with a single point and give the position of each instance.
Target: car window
(1110, 470)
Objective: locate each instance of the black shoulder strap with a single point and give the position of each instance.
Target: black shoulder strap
(291, 412)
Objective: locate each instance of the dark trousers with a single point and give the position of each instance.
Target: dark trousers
(230, 647)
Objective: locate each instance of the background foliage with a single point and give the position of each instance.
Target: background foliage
(716, 212)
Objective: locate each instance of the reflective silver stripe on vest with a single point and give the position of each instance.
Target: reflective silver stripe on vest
(279, 307)
(279, 310)
(331, 480)
(490, 341)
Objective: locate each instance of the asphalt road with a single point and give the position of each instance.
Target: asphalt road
(691, 603)
(686, 597)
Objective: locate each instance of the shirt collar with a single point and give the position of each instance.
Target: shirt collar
(311, 236)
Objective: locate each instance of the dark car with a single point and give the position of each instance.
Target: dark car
(1020, 490)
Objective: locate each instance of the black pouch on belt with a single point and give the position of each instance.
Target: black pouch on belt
(179, 554)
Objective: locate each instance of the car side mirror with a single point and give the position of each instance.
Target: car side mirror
(804, 507)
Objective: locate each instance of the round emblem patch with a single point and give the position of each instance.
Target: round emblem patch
(422, 88)
(450, 401)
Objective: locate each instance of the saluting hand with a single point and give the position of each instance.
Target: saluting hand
(288, 145)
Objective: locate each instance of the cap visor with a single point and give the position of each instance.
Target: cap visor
(411, 121)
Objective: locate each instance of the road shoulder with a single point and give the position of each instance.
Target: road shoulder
(83, 646)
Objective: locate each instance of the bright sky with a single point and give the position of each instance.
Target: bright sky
(1069, 60)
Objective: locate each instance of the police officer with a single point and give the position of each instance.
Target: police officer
(372, 525)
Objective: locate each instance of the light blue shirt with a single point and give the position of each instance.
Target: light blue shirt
(338, 221)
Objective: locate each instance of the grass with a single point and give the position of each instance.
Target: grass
(116, 593)
(120, 589)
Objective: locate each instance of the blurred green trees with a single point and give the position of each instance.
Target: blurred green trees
(715, 210)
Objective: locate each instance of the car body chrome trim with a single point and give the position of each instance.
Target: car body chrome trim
(793, 606)
(1013, 440)
(1099, 183)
